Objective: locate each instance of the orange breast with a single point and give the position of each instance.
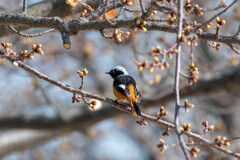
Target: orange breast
(119, 95)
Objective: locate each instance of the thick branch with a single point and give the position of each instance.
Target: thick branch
(49, 8)
(203, 86)
(73, 26)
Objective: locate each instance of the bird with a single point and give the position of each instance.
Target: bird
(125, 88)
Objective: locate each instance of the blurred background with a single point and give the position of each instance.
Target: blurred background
(38, 121)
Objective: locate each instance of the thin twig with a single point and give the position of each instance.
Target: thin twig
(86, 6)
(151, 7)
(82, 83)
(191, 52)
(111, 22)
(25, 6)
(234, 49)
(141, 5)
(104, 35)
(204, 24)
(176, 81)
(184, 75)
(30, 35)
(217, 32)
(131, 10)
(157, 20)
(235, 138)
(119, 13)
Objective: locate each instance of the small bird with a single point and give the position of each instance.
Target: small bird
(125, 88)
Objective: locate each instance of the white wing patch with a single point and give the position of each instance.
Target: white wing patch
(122, 86)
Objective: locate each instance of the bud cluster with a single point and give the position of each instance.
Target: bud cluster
(92, 105)
(127, 2)
(142, 65)
(222, 141)
(182, 38)
(141, 25)
(23, 54)
(155, 53)
(117, 34)
(194, 151)
(153, 12)
(76, 98)
(162, 112)
(161, 145)
(220, 22)
(193, 72)
(209, 25)
(187, 105)
(197, 10)
(166, 133)
(188, 6)
(36, 49)
(172, 19)
(191, 41)
(186, 127)
(6, 47)
(207, 127)
(82, 73)
(222, 4)
(142, 122)
(84, 13)
(216, 45)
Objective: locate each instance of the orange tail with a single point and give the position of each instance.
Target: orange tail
(136, 110)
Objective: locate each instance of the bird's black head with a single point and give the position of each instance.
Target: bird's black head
(117, 71)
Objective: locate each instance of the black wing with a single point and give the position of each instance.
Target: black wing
(121, 83)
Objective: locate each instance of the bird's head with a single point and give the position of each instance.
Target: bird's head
(117, 71)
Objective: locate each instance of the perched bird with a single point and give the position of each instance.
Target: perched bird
(125, 88)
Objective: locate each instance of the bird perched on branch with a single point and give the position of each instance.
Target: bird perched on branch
(125, 88)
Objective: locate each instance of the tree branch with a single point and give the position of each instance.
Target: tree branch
(176, 80)
(73, 26)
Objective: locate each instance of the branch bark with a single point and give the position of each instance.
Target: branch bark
(72, 26)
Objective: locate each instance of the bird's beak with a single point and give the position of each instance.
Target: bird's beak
(107, 72)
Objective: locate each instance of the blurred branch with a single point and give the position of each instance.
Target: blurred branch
(47, 127)
(203, 86)
(17, 140)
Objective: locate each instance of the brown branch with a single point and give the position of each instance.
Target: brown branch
(73, 26)
(214, 85)
(31, 35)
(234, 49)
(204, 24)
(141, 6)
(176, 81)
(25, 6)
(86, 6)
(54, 8)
